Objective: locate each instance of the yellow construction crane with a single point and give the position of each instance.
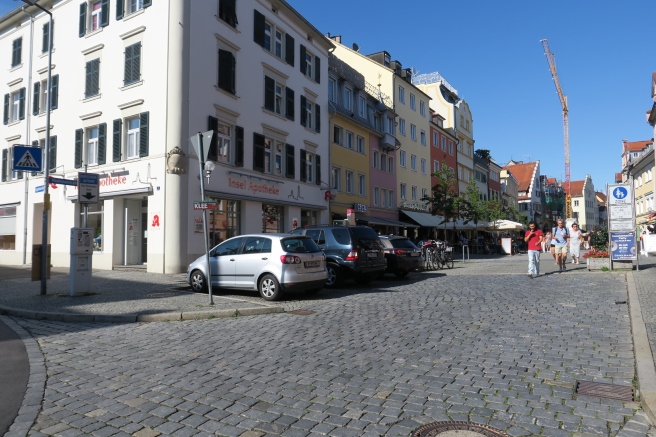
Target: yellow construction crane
(563, 102)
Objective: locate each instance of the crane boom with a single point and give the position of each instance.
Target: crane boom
(551, 59)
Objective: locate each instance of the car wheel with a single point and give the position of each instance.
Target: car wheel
(269, 288)
(363, 279)
(198, 282)
(334, 276)
(401, 273)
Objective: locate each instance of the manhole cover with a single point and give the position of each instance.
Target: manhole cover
(456, 429)
(301, 312)
(601, 390)
(160, 295)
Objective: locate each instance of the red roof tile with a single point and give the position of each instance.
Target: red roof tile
(618, 178)
(523, 173)
(601, 197)
(576, 187)
(636, 146)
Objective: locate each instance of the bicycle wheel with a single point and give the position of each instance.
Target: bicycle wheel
(437, 261)
(449, 260)
(427, 259)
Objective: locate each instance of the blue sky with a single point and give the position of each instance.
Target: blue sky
(491, 52)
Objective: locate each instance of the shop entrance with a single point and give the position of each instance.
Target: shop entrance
(133, 225)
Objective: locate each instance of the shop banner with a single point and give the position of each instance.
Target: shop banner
(623, 246)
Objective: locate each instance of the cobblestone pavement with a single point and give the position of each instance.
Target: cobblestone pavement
(481, 342)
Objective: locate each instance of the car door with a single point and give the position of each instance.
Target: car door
(253, 257)
(223, 261)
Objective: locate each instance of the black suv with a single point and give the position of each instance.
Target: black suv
(351, 252)
(402, 255)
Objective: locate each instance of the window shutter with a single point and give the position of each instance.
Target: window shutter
(303, 172)
(303, 112)
(290, 171)
(136, 62)
(269, 93)
(54, 94)
(93, 78)
(119, 9)
(96, 77)
(35, 98)
(317, 118)
(44, 42)
(102, 143)
(143, 134)
(317, 163)
(226, 71)
(5, 116)
(258, 152)
(258, 28)
(116, 140)
(52, 153)
(16, 53)
(239, 146)
(104, 13)
(35, 143)
(303, 60)
(79, 134)
(213, 125)
(289, 49)
(233, 74)
(147, 3)
(127, 68)
(4, 165)
(21, 104)
(289, 107)
(83, 20)
(317, 69)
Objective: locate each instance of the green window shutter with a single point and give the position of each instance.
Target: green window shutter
(290, 170)
(92, 85)
(52, 153)
(102, 143)
(258, 152)
(4, 165)
(35, 143)
(303, 112)
(54, 95)
(143, 134)
(269, 93)
(147, 3)
(35, 98)
(21, 104)
(303, 62)
(317, 118)
(258, 28)
(239, 146)
(5, 116)
(116, 140)
(226, 71)
(83, 20)
(104, 13)
(213, 125)
(119, 9)
(127, 70)
(289, 49)
(79, 135)
(44, 42)
(317, 172)
(136, 62)
(317, 69)
(303, 172)
(17, 52)
(289, 107)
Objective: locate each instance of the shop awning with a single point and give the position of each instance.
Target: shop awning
(385, 222)
(435, 221)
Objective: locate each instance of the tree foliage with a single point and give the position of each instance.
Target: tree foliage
(473, 208)
(599, 238)
(444, 200)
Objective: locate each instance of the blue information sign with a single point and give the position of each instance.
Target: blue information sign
(27, 158)
(622, 246)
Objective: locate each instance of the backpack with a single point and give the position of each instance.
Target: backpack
(565, 235)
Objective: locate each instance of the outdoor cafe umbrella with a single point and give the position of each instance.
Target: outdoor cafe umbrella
(504, 225)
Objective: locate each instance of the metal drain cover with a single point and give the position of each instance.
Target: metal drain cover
(456, 429)
(607, 391)
(301, 312)
(160, 295)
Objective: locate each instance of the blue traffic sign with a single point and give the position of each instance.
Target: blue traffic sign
(27, 158)
(60, 181)
(39, 188)
(620, 193)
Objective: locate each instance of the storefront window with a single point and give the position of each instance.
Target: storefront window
(308, 218)
(94, 220)
(224, 221)
(7, 228)
(272, 219)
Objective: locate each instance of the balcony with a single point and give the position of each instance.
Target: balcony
(387, 142)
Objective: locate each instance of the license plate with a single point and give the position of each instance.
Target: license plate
(312, 263)
(372, 254)
(413, 254)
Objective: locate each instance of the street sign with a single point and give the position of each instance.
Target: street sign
(619, 194)
(40, 189)
(60, 181)
(621, 211)
(27, 158)
(621, 225)
(622, 246)
(202, 205)
(207, 142)
(87, 188)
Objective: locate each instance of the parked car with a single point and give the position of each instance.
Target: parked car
(351, 252)
(269, 263)
(401, 254)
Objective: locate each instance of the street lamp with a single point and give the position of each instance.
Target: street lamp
(46, 158)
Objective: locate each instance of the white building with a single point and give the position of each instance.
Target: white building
(132, 81)
(585, 208)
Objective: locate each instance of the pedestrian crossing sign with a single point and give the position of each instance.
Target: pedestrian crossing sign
(27, 158)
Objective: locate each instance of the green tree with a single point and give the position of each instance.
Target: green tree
(483, 153)
(495, 210)
(444, 200)
(599, 238)
(473, 208)
(512, 213)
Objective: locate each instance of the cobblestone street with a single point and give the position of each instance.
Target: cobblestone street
(480, 343)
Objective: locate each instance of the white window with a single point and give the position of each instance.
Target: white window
(460, 146)
(362, 104)
(450, 147)
(413, 103)
(376, 159)
(332, 87)
(278, 43)
(422, 108)
(390, 164)
(390, 195)
(43, 104)
(389, 125)
(422, 137)
(413, 162)
(279, 99)
(96, 15)
(444, 145)
(349, 140)
(435, 140)
(402, 158)
(383, 162)
(348, 98)
(337, 135)
(436, 166)
(401, 94)
(134, 6)
(92, 146)
(336, 183)
(309, 167)
(414, 193)
(360, 145)
(362, 184)
(308, 62)
(460, 174)
(423, 166)
(424, 193)
(349, 182)
(401, 126)
(403, 191)
(376, 196)
(383, 197)
(308, 114)
(15, 107)
(413, 132)
(132, 143)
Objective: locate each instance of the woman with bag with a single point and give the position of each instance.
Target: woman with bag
(575, 243)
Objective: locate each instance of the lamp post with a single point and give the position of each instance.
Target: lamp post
(46, 157)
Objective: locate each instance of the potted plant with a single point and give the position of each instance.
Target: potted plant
(597, 259)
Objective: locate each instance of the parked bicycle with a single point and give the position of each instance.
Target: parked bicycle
(437, 255)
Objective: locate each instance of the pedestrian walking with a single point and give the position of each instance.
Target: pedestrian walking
(533, 239)
(546, 242)
(560, 239)
(575, 238)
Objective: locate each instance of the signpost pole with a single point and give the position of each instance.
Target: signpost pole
(86, 205)
(46, 165)
(201, 165)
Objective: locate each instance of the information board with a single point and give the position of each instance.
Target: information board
(623, 246)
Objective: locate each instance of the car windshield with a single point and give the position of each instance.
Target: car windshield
(299, 245)
(402, 243)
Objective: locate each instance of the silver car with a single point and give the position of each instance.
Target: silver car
(269, 263)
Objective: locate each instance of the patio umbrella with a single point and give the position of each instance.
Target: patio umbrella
(504, 225)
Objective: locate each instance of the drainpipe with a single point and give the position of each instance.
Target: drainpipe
(330, 148)
(28, 118)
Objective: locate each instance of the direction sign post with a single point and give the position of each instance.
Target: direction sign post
(87, 189)
(621, 223)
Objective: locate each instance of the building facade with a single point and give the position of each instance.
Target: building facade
(585, 209)
(529, 190)
(509, 186)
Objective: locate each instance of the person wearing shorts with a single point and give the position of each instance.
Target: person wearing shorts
(560, 238)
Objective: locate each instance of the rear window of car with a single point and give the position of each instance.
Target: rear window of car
(342, 236)
(360, 233)
(299, 245)
(402, 243)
